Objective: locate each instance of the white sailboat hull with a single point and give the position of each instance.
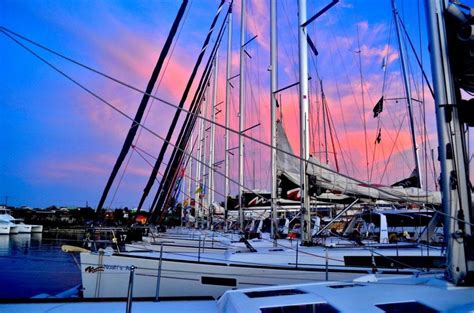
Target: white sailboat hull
(108, 275)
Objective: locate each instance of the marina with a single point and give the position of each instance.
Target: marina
(257, 171)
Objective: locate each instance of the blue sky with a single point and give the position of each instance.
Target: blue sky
(59, 144)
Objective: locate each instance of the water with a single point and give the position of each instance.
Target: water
(31, 264)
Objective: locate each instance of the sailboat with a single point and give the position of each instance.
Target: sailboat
(106, 275)
(431, 292)
(452, 290)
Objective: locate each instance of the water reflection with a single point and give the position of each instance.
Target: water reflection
(4, 244)
(36, 237)
(21, 242)
(31, 264)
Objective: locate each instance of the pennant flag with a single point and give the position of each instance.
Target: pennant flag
(198, 190)
(378, 108)
(379, 136)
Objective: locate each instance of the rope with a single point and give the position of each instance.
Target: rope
(7, 33)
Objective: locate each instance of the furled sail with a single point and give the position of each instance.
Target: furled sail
(341, 185)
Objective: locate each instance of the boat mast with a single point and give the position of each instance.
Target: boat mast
(241, 112)
(165, 186)
(401, 47)
(227, 114)
(454, 174)
(197, 198)
(212, 142)
(304, 123)
(204, 186)
(143, 104)
(189, 171)
(273, 104)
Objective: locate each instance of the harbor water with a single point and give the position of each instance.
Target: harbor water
(33, 264)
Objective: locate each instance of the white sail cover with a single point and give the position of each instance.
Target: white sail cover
(339, 184)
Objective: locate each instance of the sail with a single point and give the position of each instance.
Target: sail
(412, 181)
(338, 184)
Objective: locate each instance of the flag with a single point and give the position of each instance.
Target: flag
(378, 108)
(379, 136)
(198, 190)
(384, 63)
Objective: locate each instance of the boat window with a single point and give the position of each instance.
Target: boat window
(274, 293)
(220, 281)
(346, 286)
(411, 306)
(303, 308)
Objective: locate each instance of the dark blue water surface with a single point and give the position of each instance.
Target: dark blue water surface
(32, 264)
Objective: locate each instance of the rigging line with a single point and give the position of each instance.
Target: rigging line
(164, 72)
(391, 151)
(395, 125)
(161, 198)
(356, 18)
(292, 57)
(343, 118)
(313, 125)
(182, 101)
(383, 93)
(138, 150)
(148, 111)
(120, 112)
(121, 178)
(332, 133)
(260, 95)
(338, 142)
(349, 80)
(363, 105)
(416, 56)
(423, 104)
(311, 120)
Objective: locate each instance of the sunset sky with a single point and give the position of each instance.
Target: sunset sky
(59, 143)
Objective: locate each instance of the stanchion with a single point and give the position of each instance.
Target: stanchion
(130, 290)
(297, 251)
(199, 250)
(158, 277)
(327, 264)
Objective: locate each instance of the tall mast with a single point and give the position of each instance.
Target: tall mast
(325, 115)
(189, 169)
(227, 113)
(304, 122)
(241, 112)
(273, 89)
(401, 47)
(454, 179)
(212, 141)
(204, 186)
(197, 200)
